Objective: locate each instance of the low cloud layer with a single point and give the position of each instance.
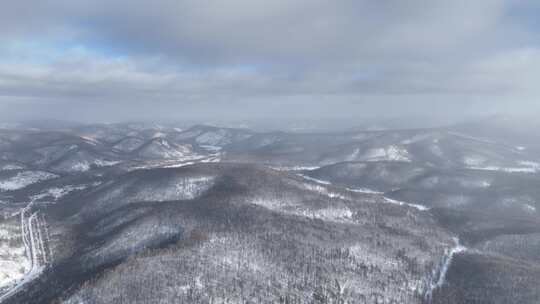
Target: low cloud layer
(116, 60)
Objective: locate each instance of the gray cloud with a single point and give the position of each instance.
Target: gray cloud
(247, 57)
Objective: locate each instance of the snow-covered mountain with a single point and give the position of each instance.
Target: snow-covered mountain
(144, 213)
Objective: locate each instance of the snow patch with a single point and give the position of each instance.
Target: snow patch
(338, 214)
(324, 191)
(529, 208)
(294, 168)
(416, 138)
(159, 135)
(530, 164)
(178, 163)
(211, 148)
(136, 238)
(13, 261)
(318, 181)
(335, 214)
(524, 167)
(439, 273)
(24, 179)
(474, 160)
(364, 190)
(400, 203)
(10, 167)
(525, 203)
(213, 138)
(59, 192)
(35, 237)
(182, 188)
(91, 140)
(390, 153)
(105, 163)
(468, 137)
(81, 167)
(162, 149)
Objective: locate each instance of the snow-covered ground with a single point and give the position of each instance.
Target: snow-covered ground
(82, 162)
(21, 270)
(338, 213)
(416, 138)
(136, 238)
(178, 163)
(24, 179)
(474, 160)
(318, 181)
(390, 153)
(472, 138)
(189, 188)
(9, 167)
(439, 273)
(294, 168)
(525, 203)
(160, 148)
(58, 192)
(211, 148)
(320, 188)
(529, 208)
(159, 135)
(210, 159)
(13, 260)
(90, 139)
(323, 191)
(174, 189)
(363, 190)
(522, 167)
(213, 138)
(400, 203)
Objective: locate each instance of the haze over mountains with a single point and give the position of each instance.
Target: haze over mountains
(284, 151)
(168, 213)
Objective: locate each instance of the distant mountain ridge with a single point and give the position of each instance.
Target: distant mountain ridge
(139, 212)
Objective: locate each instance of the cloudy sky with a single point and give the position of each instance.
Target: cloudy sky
(104, 60)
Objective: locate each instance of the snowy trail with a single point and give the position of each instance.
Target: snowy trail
(368, 191)
(34, 235)
(177, 163)
(443, 269)
(396, 202)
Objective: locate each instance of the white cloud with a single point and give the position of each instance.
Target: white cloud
(315, 52)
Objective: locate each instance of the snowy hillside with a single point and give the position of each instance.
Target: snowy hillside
(142, 212)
